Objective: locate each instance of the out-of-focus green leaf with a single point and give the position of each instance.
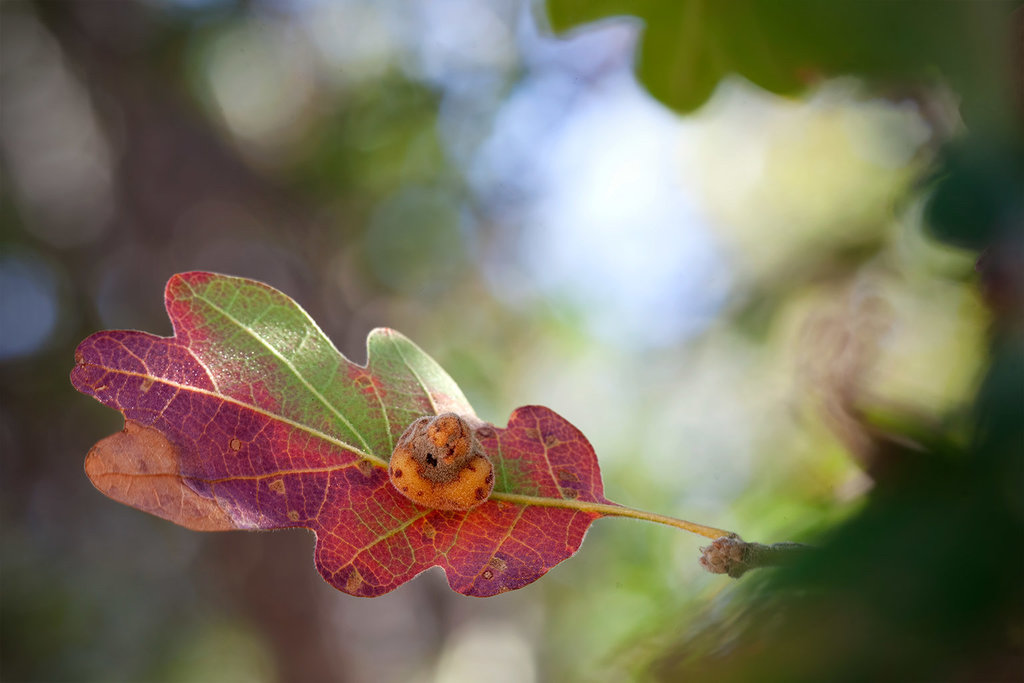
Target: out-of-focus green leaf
(978, 193)
(688, 46)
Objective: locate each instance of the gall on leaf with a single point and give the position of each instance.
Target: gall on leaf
(439, 464)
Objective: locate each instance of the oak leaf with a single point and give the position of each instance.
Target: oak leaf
(249, 418)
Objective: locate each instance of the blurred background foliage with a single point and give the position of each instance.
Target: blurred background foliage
(758, 292)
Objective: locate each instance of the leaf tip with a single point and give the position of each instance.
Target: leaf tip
(384, 333)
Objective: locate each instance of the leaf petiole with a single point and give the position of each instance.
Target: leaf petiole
(613, 510)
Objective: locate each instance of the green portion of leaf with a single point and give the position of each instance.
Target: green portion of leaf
(244, 329)
(510, 477)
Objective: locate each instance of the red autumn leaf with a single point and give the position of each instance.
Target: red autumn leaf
(249, 418)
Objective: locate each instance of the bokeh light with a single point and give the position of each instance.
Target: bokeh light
(55, 152)
(29, 304)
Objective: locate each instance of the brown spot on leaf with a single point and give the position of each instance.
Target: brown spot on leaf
(488, 574)
(147, 382)
(571, 494)
(485, 432)
(551, 441)
(293, 515)
(277, 486)
(497, 564)
(532, 434)
(428, 531)
(365, 467)
(142, 468)
(566, 475)
(235, 445)
(353, 582)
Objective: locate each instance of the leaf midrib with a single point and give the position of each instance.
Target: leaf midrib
(248, 406)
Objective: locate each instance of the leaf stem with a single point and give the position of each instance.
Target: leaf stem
(613, 510)
(692, 527)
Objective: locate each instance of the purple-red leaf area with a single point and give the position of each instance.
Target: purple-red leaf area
(265, 473)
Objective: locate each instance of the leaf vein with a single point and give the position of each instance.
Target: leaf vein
(287, 363)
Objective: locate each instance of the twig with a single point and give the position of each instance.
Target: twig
(733, 556)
